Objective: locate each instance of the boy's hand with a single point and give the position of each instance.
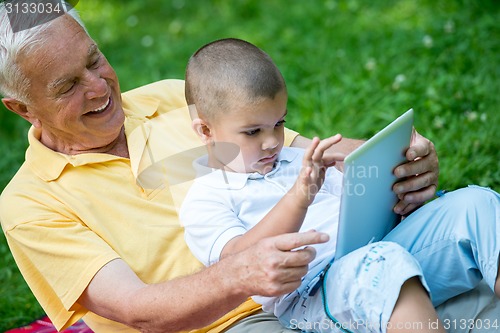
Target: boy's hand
(314, 165)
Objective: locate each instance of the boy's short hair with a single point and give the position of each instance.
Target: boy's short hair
(229, 70)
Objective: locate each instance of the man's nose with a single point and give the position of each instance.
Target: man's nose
(96, 86)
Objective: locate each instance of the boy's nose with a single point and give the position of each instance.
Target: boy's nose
(270, 142)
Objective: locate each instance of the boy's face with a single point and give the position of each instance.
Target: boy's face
(257, 129)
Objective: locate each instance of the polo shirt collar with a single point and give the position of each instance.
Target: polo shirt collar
(137, 129)
(43, 161)
(217, 178)
(49, 164)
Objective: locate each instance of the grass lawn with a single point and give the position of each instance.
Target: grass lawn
(350, 66)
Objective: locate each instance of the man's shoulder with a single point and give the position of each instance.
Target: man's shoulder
(23, 178)
(160, 97)
(15, 194)
(157, 89)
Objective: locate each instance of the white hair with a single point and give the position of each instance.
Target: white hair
(13, 82)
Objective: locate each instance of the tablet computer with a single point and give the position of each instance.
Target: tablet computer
(367, 201)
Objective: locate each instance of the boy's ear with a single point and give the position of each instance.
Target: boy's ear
(202, 129)
(21, 109)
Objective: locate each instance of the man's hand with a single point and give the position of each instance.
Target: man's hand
(272, 267)
(275, 266)
(419, 176)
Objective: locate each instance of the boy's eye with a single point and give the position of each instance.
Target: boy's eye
(252, 132)
(280, 123)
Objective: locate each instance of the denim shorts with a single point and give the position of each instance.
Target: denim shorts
(359, 291)
(451, 243)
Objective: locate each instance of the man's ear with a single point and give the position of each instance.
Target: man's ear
(21, 109)
(202, 129)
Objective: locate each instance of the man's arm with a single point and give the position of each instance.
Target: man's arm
(269, 268)
(340, 150)
(418, 177)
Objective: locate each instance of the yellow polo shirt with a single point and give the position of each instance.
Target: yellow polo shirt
(65, 216)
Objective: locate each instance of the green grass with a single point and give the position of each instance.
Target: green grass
(350, 66)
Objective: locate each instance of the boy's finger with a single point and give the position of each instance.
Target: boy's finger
(308, 155)
(323, 146)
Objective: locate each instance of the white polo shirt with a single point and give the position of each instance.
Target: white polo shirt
(221, 205)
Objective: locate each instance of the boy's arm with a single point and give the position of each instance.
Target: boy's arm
(286, 217)
(289, 213)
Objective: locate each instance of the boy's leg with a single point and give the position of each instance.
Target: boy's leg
(414, 311)
(456, 240)
(361, 290)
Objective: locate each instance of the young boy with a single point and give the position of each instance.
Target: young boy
(251, 187)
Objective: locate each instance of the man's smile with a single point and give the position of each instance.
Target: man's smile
(101, 109)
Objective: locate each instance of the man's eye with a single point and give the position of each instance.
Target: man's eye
(67, 88)
(280, 123)
(95, 63)
(252, 132)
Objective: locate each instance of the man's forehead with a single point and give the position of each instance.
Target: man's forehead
(66, 48)
(63, 33)
(57, 54)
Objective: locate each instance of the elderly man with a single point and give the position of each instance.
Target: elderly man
(96, 238)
